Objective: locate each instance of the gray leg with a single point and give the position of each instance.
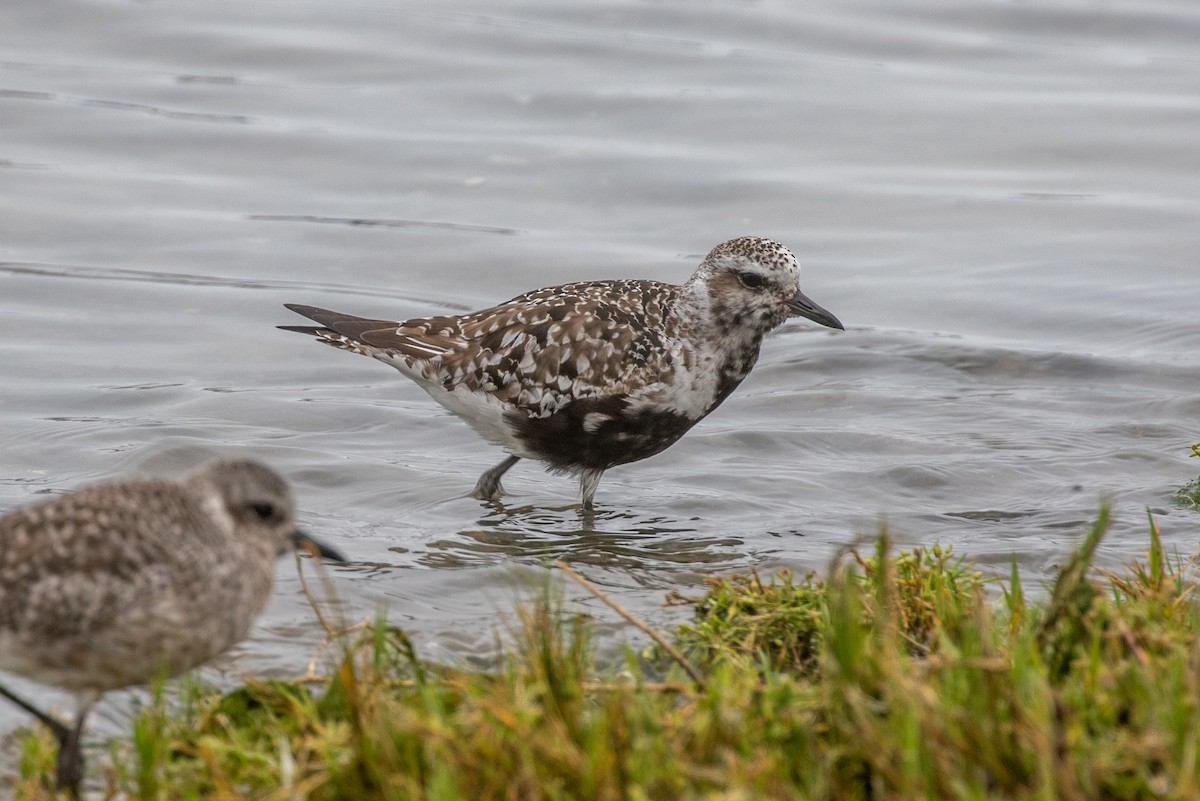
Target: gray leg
(68, 769)
(54, 725)
(588, 481)
(488, 488)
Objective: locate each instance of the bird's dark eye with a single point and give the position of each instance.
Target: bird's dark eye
(265, 511)
(752, 280)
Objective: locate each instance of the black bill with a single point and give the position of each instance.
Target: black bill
(801, 306)
(305, 542)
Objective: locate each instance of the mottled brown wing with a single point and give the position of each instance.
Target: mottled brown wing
(539, 350)
(73, 564)
(550, 346)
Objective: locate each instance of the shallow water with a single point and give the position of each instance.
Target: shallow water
(999, 200)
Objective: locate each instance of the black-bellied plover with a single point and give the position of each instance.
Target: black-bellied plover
(591, 375)
(116, 584)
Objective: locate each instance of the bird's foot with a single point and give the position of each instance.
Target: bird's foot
(486, 490)
(488, 487)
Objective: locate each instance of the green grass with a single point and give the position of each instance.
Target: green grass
(893, 676)
(1189, 494)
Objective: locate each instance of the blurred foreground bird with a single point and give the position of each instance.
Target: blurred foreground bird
(117, 584)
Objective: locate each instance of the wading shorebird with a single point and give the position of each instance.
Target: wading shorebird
(591, 375)
(117, 584)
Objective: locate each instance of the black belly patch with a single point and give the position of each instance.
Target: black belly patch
(598, 433)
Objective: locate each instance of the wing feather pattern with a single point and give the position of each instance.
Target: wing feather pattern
(538, 351)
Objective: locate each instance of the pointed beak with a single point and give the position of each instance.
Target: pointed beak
(314, 547)
(801, 306)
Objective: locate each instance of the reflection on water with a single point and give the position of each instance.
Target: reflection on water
(605, 538)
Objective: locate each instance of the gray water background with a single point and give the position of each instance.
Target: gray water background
(999, 199)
